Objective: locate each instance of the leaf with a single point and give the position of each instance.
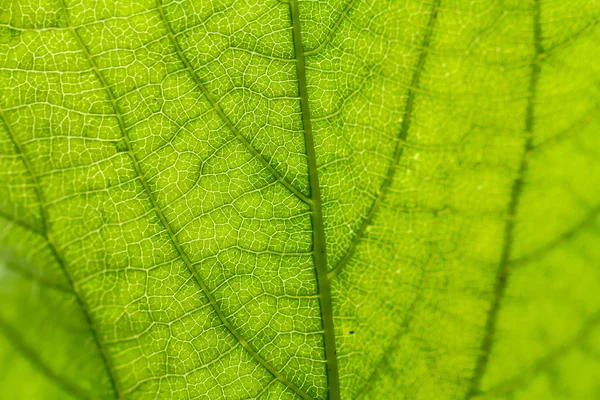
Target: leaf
(284, 199)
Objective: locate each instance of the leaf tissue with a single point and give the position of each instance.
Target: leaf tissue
(300, 199)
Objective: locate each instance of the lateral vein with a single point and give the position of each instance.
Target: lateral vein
(18, 344)
(220, 111)
(333, 30)
(406, 122)
(48, 235)
(588, 221)
(509, 386)
(165, 223)
(16, 221)
(391, 348)
(509, 228)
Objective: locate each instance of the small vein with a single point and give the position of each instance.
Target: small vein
(589, 28)
(48, 235)
(182, 254)
(16, 221)
(332, 31)
(391, 348)
(30, 354)
(406, 122)
(26, 274)
(587, 221)
(543, 363)
(589, 117)
(220, 111)
(263, 390)
(509, 228)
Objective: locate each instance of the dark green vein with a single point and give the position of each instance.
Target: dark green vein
(399, 146)
(220, 111)
(395, 343)
(576, 127)
(587, 29)
(15, 266)
(12, 219)
(509, 228)
(34, 359)
(165, 223)
(28, 275)
(319, 244)
(587, 221)
(48, 235)
(332, 31)
(543, 363)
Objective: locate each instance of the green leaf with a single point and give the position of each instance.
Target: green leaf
(358, 199)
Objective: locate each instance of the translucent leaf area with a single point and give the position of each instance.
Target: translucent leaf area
(300, 199)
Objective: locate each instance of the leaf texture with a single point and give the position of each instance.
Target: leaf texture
(226, 199)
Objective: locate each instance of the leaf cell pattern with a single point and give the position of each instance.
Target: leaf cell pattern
(299, 199)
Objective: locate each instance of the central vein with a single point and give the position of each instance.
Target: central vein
(319, 251)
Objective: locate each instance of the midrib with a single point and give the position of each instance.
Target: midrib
(319, 243)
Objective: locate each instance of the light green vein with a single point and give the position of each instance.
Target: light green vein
(332, 31)
(48, 235)
(220, 111)
(212, 300)
(319, 243)
(399, 146)
(509, 228)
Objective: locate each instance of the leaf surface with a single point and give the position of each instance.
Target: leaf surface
(299, 199)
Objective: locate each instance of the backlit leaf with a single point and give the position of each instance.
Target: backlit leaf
(301, 199)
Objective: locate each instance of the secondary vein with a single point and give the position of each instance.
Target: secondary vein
(332, 31)
(14, 220)
(391, 349)
(220, 111)
(586, 222)
(166, 225)
(509, 228)
(49, 237)
(35, 360)
(406, 122)
(588, 328)
(319, 242)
